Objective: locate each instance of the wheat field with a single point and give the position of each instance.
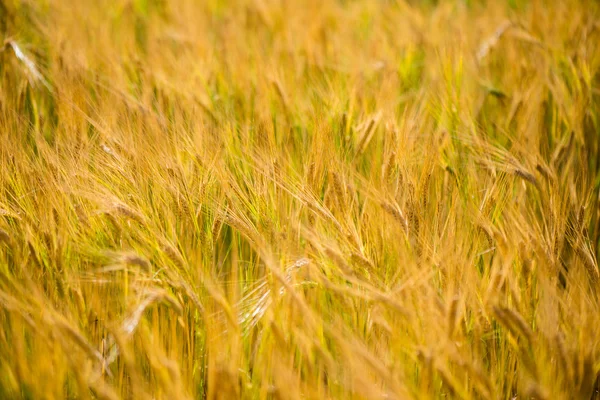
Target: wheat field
(316, 199)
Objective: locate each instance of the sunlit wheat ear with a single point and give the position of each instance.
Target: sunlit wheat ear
(30, 68)
(173, 254)
(397, 214)
(586, 256)
(491, 41)
(362, 260)
(149, 297)
(546, 172)
(123, 261)
(528, 176)
(337, 188)
(388, 166)
(128, 212)
(366, 132)
(254, 304)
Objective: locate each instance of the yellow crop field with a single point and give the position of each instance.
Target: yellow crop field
(299, 199)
